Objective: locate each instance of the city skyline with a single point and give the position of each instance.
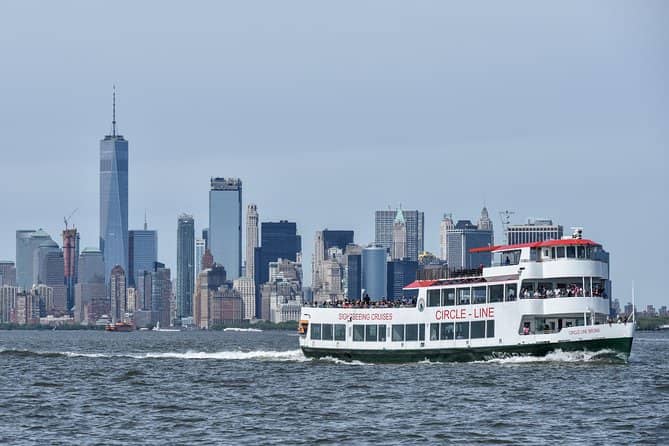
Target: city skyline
(349, 115)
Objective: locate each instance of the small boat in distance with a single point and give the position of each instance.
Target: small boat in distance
(252, 330)
(157, 328)
(120, 327)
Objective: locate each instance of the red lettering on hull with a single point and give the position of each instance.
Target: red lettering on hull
(456, 314)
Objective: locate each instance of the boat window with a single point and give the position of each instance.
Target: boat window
(511, 292)
(447, 331)
(421, 332)
(327, 332)
(448, 297)
(434, 331)
(510, 257)
(571, 252)
(411, 332)
(433, 297)
(340, 332)
(534, 254)
(478, 329)
(478, 295)
(370, 333)
(398, 332)
(490, 329)
(496, 293)
(580, 252)
(382, 333)
(559, 252)
(316, 332)
(464, 296)
(358, 333)
(462, 330)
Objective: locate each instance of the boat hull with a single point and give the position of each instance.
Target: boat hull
(617, 346)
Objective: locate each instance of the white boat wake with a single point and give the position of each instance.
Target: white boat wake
(559, 356)
(233, 355)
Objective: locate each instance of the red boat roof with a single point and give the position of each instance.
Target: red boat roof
(544, 244)
(458, 280)
(420, 284)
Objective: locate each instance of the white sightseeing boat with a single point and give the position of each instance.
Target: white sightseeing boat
(535, 298)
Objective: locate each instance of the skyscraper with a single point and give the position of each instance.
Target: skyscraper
(205, 237)
(336, 238)
(225, 224)
(24, 258)
(114, 198)
(399, 250)
(27, 244)
(251, 238)
(278, 240)
(71, 261)
(185, 265)
(533, 231)
(161, 294)
(247, 290)
(384, 221)
(53, 265)
(374, 271)
(400, 274)
(117, 287)
(445, 226)
(91, 286)
(7, 273)
(323, 241)
(142, 252)
(200, 247)
(463, 237)
(353, 275)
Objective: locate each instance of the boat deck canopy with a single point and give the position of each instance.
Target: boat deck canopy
(544, 244)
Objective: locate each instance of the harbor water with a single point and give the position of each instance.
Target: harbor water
(191, 387)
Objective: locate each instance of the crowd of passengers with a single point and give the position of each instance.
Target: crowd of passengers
(366, 302)
(572, 291)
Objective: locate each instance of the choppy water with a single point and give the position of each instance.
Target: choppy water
(257, 388)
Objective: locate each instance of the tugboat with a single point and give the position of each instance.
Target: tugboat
(120, 326)
(534, 299)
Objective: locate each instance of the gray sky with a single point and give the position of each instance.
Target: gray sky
(328, 111)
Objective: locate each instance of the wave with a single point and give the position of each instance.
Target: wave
(289, 355)
(580, 356)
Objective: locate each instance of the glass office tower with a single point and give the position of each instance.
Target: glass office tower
(185, 265)
(225, 224)
(114, 199)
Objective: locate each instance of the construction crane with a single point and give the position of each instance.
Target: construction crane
(67, 219)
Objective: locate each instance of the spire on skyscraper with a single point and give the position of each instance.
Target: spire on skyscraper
(114, 111)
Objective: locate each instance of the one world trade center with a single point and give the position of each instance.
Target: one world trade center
(114, 198)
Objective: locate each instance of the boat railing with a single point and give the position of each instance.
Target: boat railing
(560, 292)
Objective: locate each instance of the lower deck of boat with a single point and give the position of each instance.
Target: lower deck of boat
(621, 346)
